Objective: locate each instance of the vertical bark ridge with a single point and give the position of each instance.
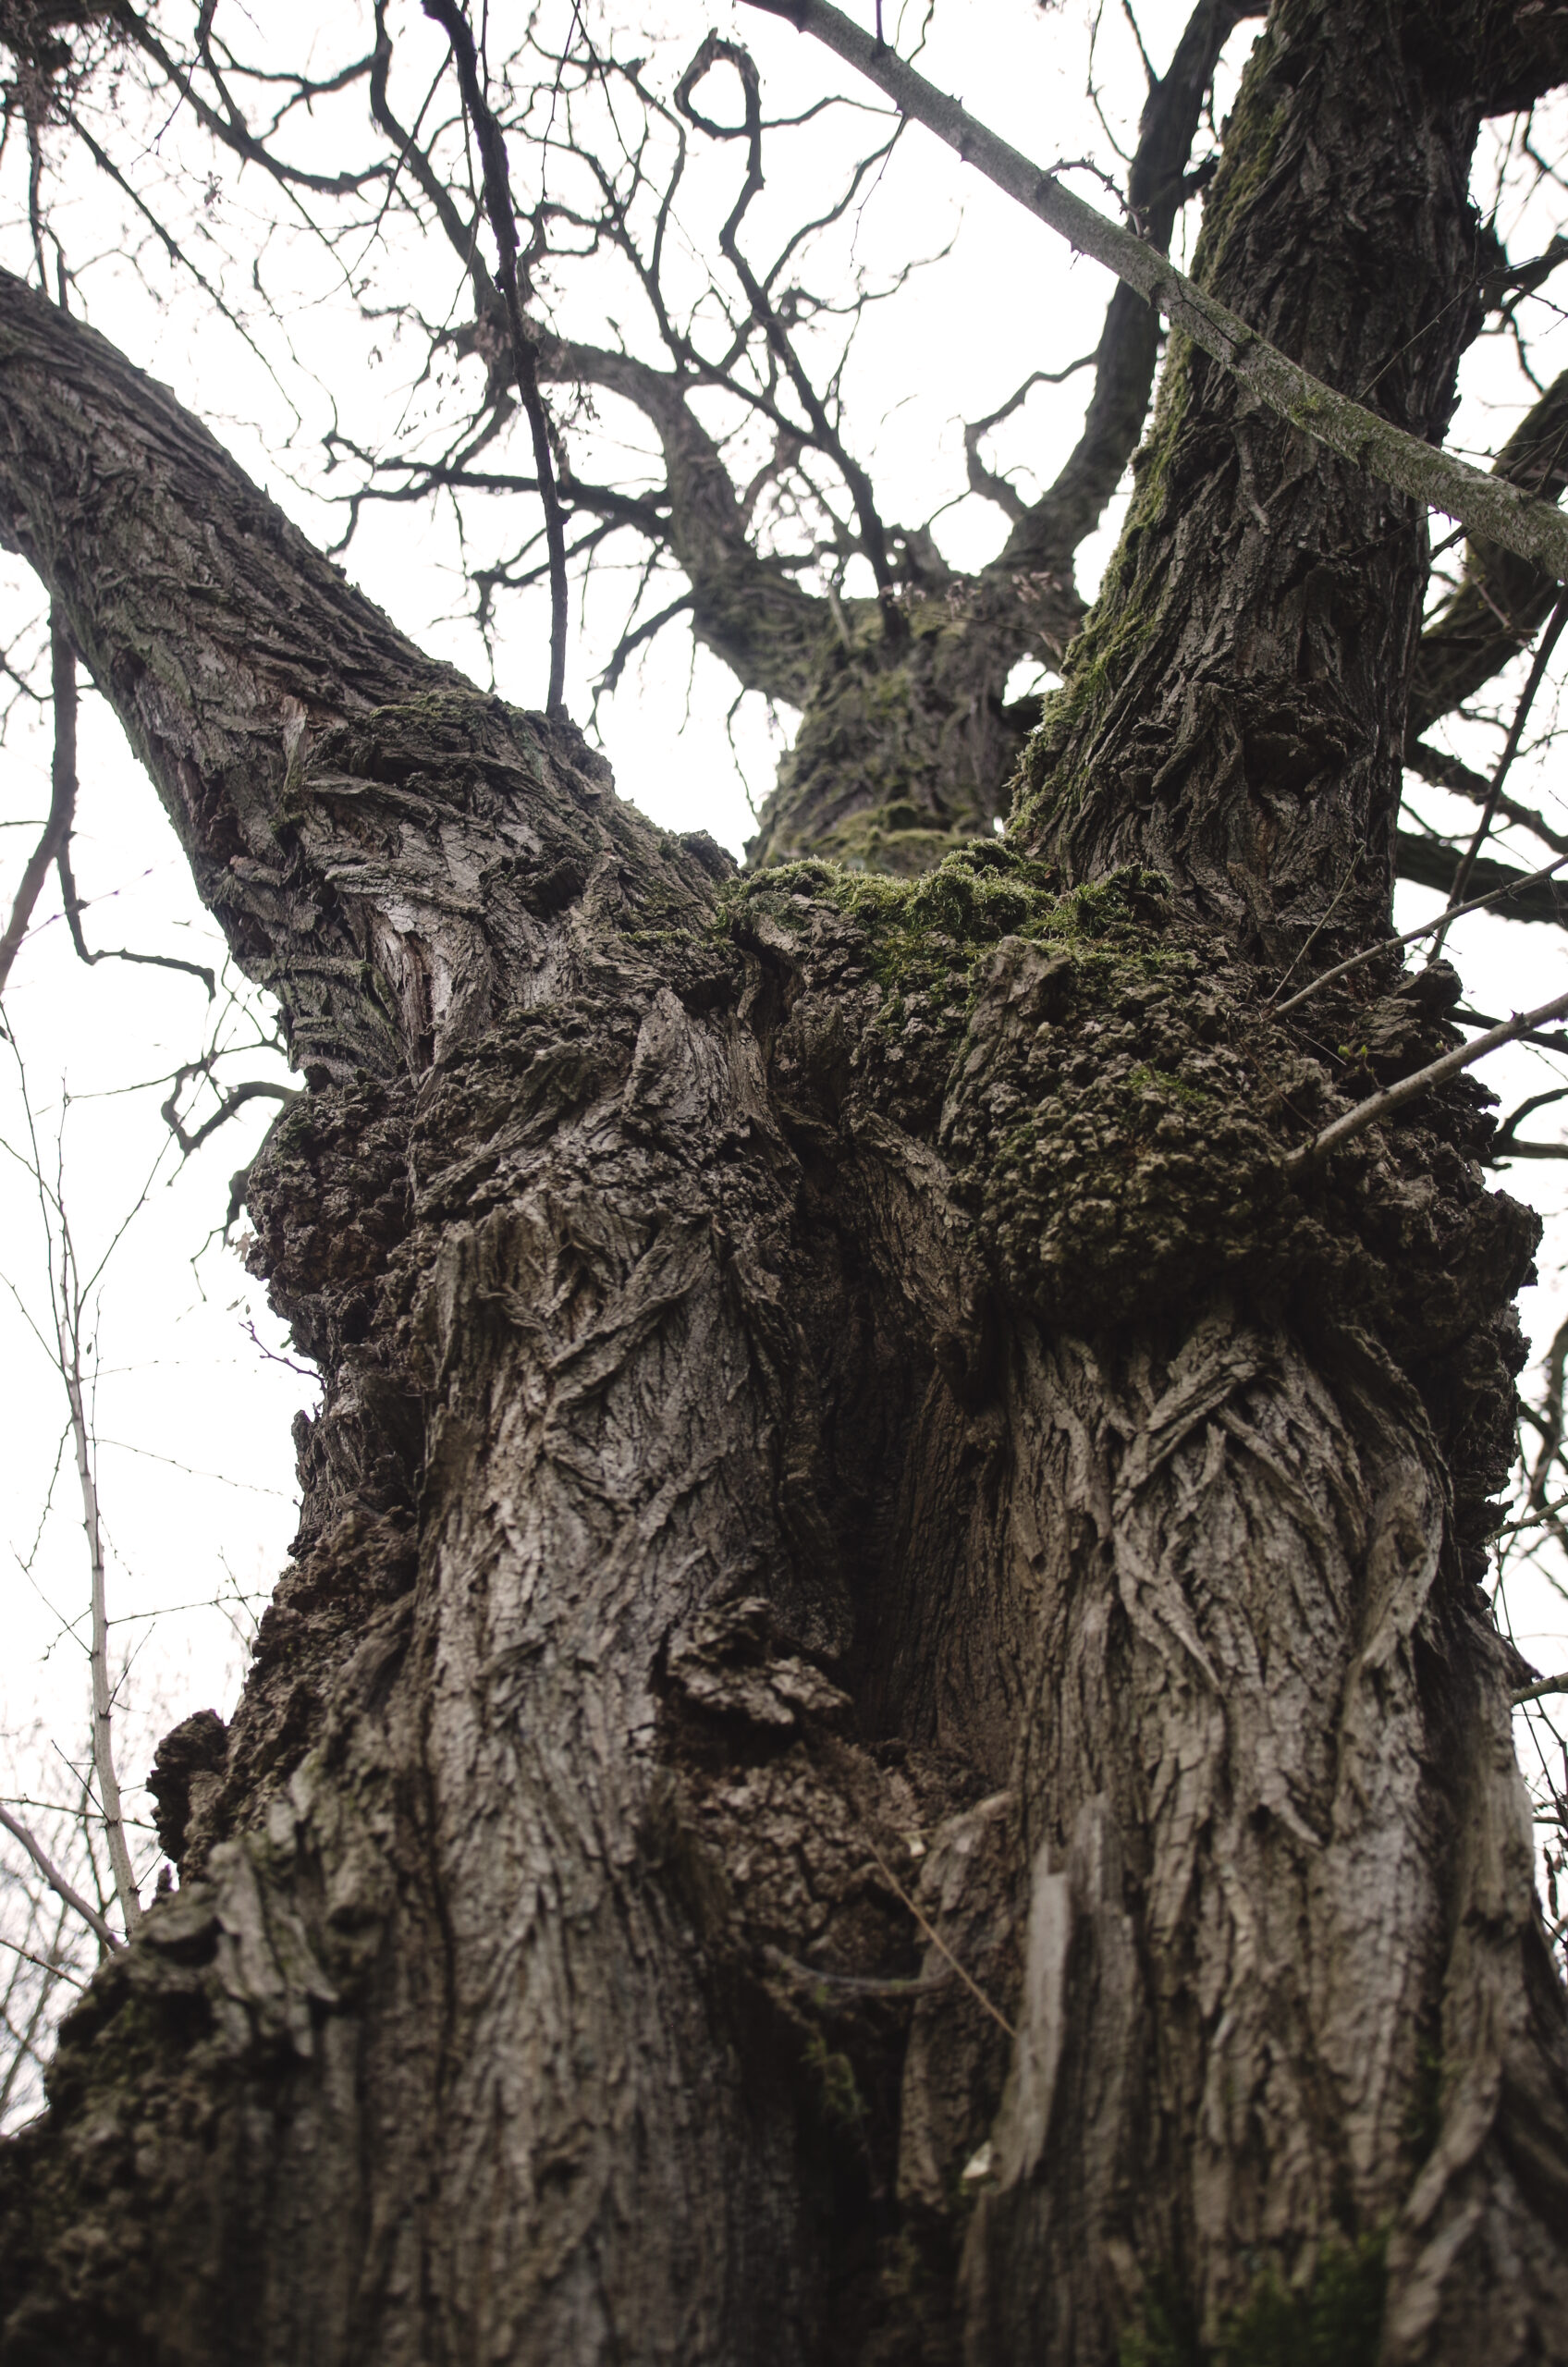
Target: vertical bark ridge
(1234, 710)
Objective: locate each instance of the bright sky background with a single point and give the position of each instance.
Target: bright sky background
(194, 1394)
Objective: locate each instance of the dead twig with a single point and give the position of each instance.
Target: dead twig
(1409, 1088)
(1490, 508)
(62, 800)
(1414, 935)
(56, 1881)
(937, 1941)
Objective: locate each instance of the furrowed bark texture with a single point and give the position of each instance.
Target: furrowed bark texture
(1240, 731)
(882, 1744)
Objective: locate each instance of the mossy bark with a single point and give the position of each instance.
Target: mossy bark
(1234, 711)
(881, 1745)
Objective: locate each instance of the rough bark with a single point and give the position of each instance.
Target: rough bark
(907, 745)
(832, 1400)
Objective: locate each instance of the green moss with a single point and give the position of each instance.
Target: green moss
(1253, 130)
(1058, 763)
(1335, 2319)
(1105, 1100)
(838, 2091)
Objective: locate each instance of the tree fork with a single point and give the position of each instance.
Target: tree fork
(832, 1391)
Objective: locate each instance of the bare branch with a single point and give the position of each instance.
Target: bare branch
(234, 1101)
(69, 1342)
(58, 1882)
(1485, 505)
(502, 225)
(1451, 773)
(714, 51)
(1558, 1684)
(1414, 935)
(74, 908)
(1505, 1144)
(1409, 1088)
(1503, 600)
(1526, 700)
(1129, 347)
(62, 800)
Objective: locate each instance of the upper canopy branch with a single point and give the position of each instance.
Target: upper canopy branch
(1048, 534)
(1487, 506)
(744, 607)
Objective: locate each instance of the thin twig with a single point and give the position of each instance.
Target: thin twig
(1381, 1105)
(103, 1714)
(1535, 1520)
(55, 1971)
(58, 1882)
(938, 1943)
(1548, 641)
(74, 908)
(1412, 936)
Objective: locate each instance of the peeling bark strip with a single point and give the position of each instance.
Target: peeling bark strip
(1488, 507)
(834, 1397)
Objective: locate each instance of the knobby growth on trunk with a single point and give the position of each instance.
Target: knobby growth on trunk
(883, 1744)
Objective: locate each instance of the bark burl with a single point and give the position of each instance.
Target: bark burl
(882, 1744)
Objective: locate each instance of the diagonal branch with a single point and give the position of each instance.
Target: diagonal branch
(1485, 505)
(1049, 533)
(62, 799)
(1526, 700)
(62, 1889)
(1503, 600)
(1434, 862)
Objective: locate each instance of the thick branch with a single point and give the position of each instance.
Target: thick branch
(1503, 600)
(339, 794)
(1486, 504)
(1432, 863)
(744, 608)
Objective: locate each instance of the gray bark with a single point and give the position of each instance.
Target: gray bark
(844, 1455)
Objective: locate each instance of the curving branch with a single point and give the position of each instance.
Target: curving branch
(873, 533)
(744, 605)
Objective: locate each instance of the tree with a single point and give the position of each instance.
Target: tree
(883, 1742)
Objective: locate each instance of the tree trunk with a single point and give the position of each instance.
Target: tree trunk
(882, 1744)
